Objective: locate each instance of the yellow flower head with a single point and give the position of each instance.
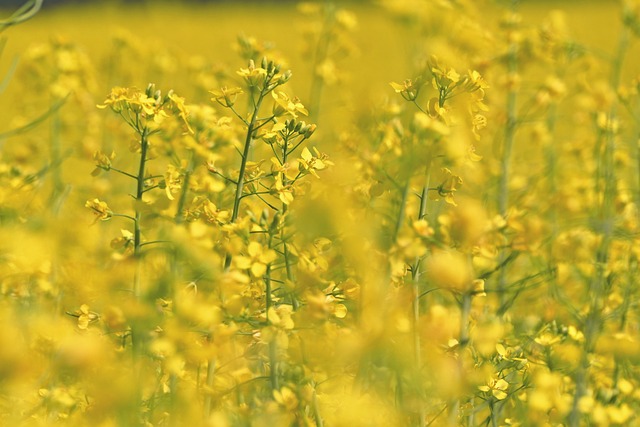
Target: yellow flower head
(285, 105)
(100, 209)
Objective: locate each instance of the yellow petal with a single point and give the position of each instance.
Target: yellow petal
(499, 394)
(306, 154)
(340, 311)
(397, 87)
(258, 269)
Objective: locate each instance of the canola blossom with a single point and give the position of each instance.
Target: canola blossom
(432, 225)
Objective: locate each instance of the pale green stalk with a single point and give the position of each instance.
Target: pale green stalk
(252, 125)
(505, 162)
(415, 284)
(136, 336)
(59, 189)
(320, 54)
(179, 217)
(137, 230)
(284, 210)
(25, 12)
(273, 345)
(211, 371)
(243, 163)
(593, 322)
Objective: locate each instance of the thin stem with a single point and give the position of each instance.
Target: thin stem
(155, 242)
(123, 173)
(594, 322)
(509, 138)
(403, 203)
(243, 166)
(211, 370)
(179, 217)
(136, 335)
(320, 54)
(316, 410)
(273, 345)
(416, 292)
(124, 216)
(140, 190)
(58, 193)
(285, 182)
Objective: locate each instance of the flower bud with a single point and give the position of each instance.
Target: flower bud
(150, 89)
(275, 224)
(167, 97)
(310, 129)
(264, 217)
(284, 77)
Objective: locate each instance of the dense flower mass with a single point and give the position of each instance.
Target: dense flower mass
(440, 234)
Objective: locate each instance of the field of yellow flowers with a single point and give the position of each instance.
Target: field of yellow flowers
(391, 213)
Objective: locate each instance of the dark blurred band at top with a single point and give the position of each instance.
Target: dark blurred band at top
(51, 3)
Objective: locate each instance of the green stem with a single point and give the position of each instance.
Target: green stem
(316, 410)
(287, 263)
(416, 292)
(243, 164)
(136, 336)
(597, 291)
(403, 203)
(59, 188)
(179, 217)
(137, 229)
(25, 12)
(505, 163)
(211, 370)
(273, 345)
(321, 53)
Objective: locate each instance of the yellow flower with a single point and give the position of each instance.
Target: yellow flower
(85, 316)
(409, 89)
(346, 19)
(619, 414)
(172, 181)
(252, 74)
(284, 192)
(449, 186)
(179, 108)
(103, 162)
(327, 71)
(474, 82)
(472, 155)
(138, 102)
(496, 387)
(450, 270)
(443, 77)
(215, 215)
(257, 260)
(225, 96)
(100, 209)
(424, 125)
(310, 163)
(117, 99)
(273, 135)
(281, 316)
(285, 105)
(124, 241)
(287, 398)
(478, 123)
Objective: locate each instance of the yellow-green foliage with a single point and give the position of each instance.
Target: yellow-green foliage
(400, 213)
